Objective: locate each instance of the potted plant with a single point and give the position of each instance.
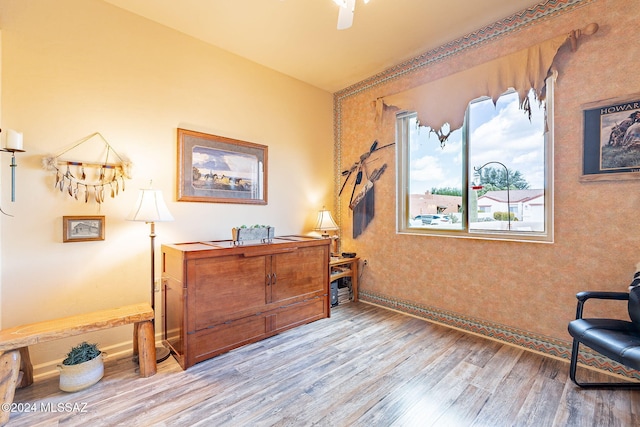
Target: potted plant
(82, 368)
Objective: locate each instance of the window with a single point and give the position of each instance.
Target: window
(490, 179)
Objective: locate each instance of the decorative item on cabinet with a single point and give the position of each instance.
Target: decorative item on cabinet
(262, 233)
(87, 180)
(14, 144)
(219, 296)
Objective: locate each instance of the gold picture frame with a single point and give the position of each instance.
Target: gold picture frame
(216, 169)
(83, 228)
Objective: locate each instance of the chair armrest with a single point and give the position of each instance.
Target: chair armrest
(585, 295)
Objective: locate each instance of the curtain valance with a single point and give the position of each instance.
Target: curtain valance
(445, 100)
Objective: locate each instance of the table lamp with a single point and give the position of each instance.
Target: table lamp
(326, 223)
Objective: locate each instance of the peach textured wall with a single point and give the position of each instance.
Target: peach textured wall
(74, 67)
(527, 286)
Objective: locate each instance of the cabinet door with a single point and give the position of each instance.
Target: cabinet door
(299, 274)
(224, 288)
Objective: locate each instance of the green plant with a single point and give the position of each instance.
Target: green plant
(81, 353)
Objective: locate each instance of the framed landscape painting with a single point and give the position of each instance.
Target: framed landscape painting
(612, 139)
(217, 169)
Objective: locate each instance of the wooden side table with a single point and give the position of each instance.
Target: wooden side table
(345, 267)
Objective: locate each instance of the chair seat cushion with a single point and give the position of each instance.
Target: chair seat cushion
(619, 340)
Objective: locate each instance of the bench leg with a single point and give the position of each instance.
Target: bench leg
(26, 368)
(145, 342)
(9, 371)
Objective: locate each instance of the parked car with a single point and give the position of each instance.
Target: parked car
(432, 219)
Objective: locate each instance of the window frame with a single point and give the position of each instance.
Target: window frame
(402, 183)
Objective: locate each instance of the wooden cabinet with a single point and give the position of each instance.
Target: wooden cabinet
(219, 296)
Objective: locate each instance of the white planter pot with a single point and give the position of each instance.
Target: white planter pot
(80, 376)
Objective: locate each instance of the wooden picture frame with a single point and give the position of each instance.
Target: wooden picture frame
(217, 169)
(611, 150)
(82, 228)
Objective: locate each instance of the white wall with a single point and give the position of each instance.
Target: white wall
(74, 67)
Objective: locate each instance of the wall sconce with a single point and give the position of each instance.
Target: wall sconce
(326, 223)
(13, 146)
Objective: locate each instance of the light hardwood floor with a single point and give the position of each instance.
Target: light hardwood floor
(365, 366)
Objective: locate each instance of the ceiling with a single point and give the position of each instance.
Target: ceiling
(299, 37)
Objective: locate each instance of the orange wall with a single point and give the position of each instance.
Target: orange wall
(527, 286)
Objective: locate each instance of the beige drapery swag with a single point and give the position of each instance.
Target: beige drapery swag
(445, 100)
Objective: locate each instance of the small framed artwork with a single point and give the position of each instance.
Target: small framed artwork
(217, 169)
(82, 228)
(612, 139)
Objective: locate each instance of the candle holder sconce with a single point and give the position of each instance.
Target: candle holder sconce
(13, 146)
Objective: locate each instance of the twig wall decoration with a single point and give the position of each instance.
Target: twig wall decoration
(87, 180)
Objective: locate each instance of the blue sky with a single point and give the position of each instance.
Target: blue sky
(502, 133)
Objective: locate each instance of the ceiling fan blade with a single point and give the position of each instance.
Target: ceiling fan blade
(345, 16)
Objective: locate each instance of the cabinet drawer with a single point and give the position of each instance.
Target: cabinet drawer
(301, 313)
(227, 336)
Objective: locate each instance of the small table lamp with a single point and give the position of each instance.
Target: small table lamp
(326, 223)
(150, 208)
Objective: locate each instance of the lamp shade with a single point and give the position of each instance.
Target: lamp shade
(325, 221)
(150, 207)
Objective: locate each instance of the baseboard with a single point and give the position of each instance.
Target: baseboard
(546, 346)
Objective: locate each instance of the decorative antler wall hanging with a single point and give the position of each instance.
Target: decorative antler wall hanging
(87, 180)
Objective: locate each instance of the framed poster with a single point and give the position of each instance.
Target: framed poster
(612, 139)
(82, 228)
(217, 169)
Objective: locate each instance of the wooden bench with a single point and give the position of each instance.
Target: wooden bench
(16, 370)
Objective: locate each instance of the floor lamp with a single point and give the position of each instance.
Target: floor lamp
(150, 208)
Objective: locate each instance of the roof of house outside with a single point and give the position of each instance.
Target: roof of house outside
(515, 196)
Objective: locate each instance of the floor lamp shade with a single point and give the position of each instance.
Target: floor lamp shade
(150, 207)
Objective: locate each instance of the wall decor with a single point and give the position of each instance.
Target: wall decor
(82, 228)
(220, 170)
(363, 203)
(85, 180)
(612, 139)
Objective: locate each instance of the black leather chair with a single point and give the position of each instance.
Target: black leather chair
(619, 340)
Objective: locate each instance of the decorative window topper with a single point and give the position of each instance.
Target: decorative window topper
(90, 180)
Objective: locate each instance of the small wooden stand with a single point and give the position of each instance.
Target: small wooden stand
(345, 267)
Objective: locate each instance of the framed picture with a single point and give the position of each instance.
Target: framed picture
(612, 139)
(82, 228)
(220, 170)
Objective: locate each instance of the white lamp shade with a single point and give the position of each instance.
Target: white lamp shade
(150, 207)
(325, 221)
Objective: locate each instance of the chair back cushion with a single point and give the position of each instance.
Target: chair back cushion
(634, 299)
